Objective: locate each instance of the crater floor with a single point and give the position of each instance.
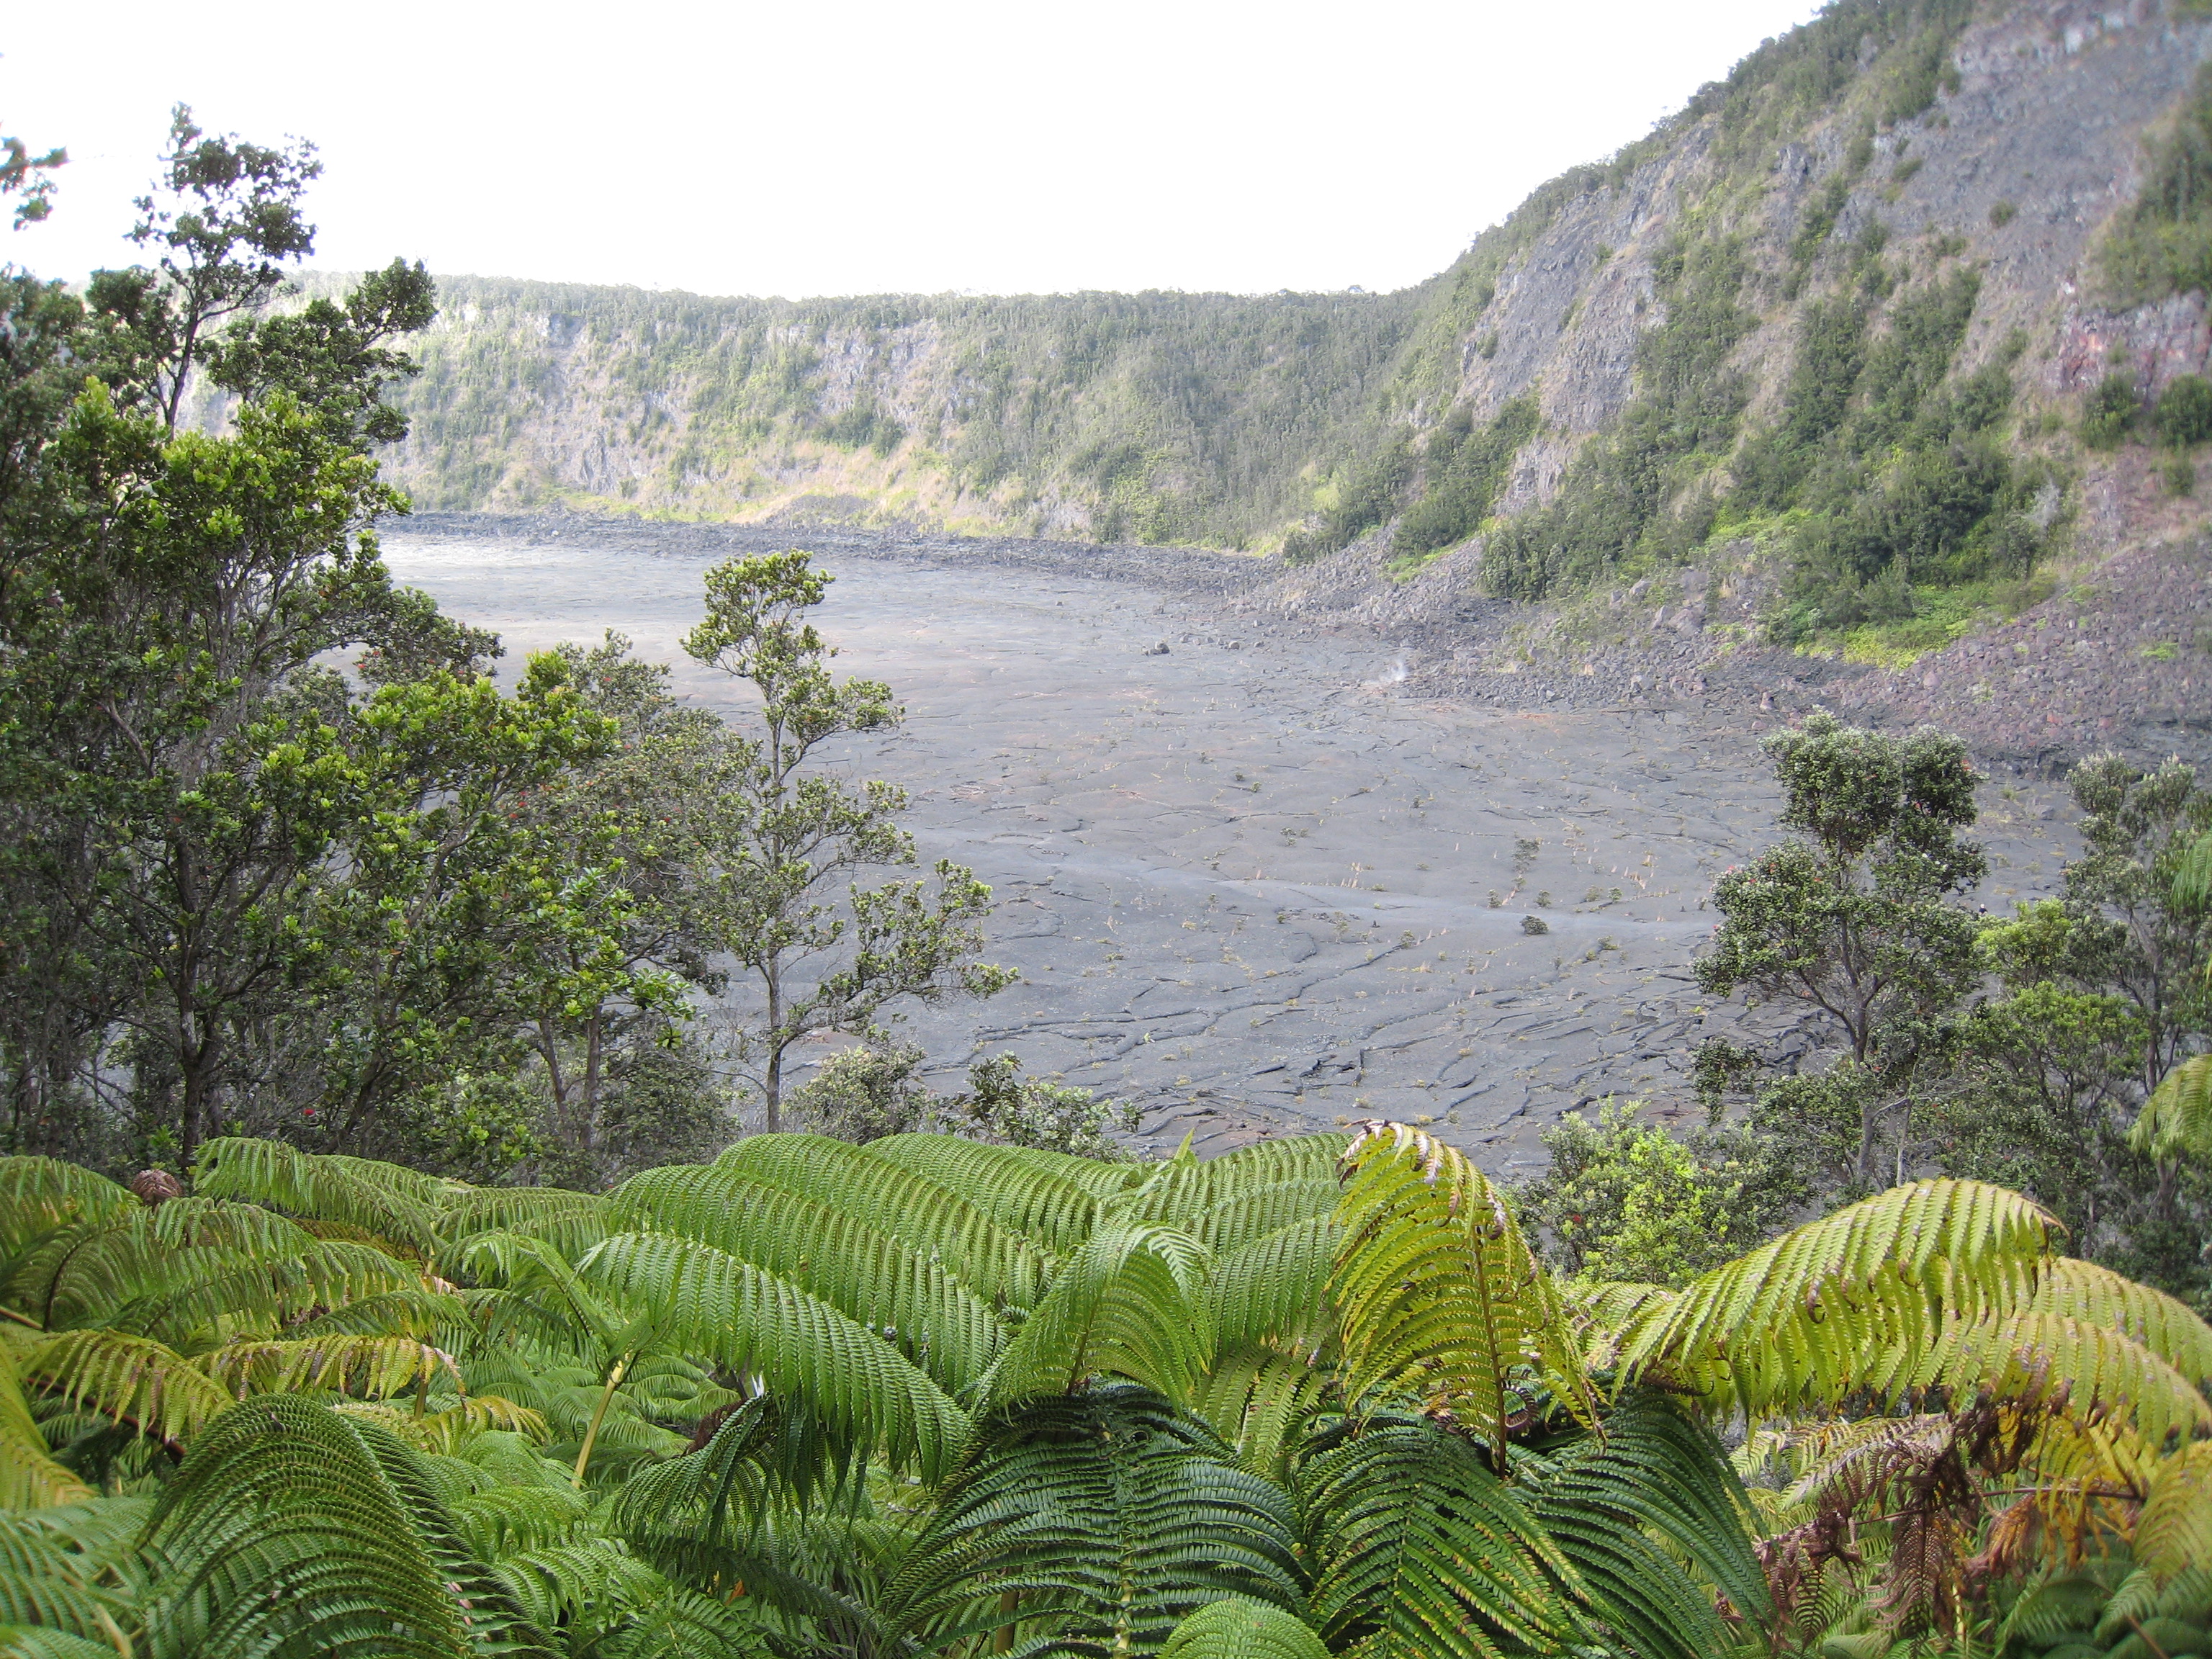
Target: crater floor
(1250, 884)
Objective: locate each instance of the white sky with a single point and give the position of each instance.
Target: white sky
(865, 147)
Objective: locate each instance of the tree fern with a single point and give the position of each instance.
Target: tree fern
(1653, 1470)
(168, 1272)
(1275, 1290)
(1854, 1300)
(1048, 1198)
(133, 1380)
(1103, 1518)
(570, 1222)
(2101, 1372)
(1439, 1295)
(872, 1276)
(283, 1537)
(2176, 1122)
(1127, 1304)
(1260, 1402)
(29, 1477)
(364, 1367)
(2091, 1295)
(1184, 1191)
(382, 1199)
(40, 1195)
(1234, 1628)
(998, 1264)
(2175, 1531)
(1421, 1552)
(1247, 1215)
(69, 1574)
(727, 1310)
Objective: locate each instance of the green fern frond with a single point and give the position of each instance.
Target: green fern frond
(1274, 1291)
(1438, 1294)
(1260, 1402)
(1176, 1193)
(1108, 1516)
(2174, 1531)
(438, 1316)
(870, 1275)
(1127, 1304)
(451, 1428)
(505, 1520)
(1234, 1628)
(494, 1620)
(2091, 1295)
(284, 1534)
(19, 1643)
(729, 1310)
(1854, 1300)
(1654, 1470)
(29, 1477)
(1421, 1552)
(39, 1194)
(2176, 1122)
(67, 1573)
(382, 1199)
(364, 1367)
(135, 1380)
(193, 1262)
(570, 1222)
(1246, 1216)
(2101, 1371)
(590, 1586)
(1047, 1198)
(998, 1265)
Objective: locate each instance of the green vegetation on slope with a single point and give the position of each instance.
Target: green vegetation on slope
(1167, 416)
(2163, 243)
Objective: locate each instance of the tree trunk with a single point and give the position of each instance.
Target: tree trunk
(772, 1084)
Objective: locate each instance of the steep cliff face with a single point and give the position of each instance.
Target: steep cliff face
(1776, 305)
(1159, 417)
